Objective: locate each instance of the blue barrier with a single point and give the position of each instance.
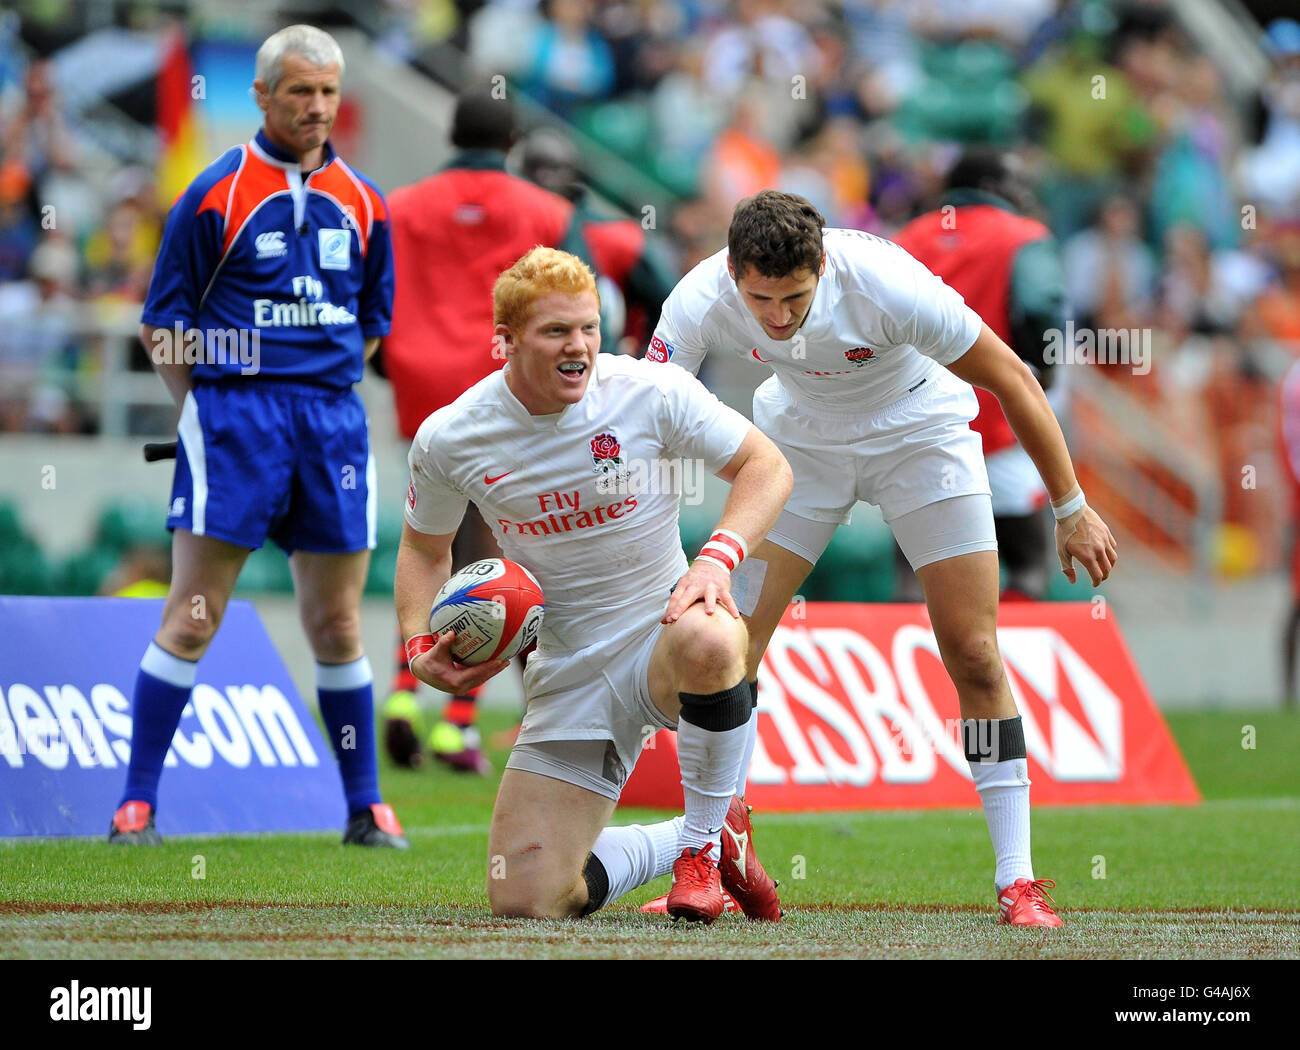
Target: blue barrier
(247, 755)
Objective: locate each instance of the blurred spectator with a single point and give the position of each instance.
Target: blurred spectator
(1190, 183)
(1271, 173)
(687, 117)
(119, 257)
(37, 331)
(570, 62)
(1109, 270)
(503, 37)
(18, 228)
(143, 572)
(743, 160)
(37, 137)
(1278, 307)
(633, 275)
(1194, 298)
(1091, 145)
(764, 42)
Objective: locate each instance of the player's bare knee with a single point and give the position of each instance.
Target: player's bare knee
(711, 652)
(975, 665)
(187, 633)
(335, 637)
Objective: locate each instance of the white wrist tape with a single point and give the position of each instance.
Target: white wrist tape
(725, 548)
(1072, 505)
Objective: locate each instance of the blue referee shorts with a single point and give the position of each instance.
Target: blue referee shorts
(260, 459)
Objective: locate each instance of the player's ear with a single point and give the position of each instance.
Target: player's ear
(261, 96)
(731, 269)
(821, 270)
(503, 343)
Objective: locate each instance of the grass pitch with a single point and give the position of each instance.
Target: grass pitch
(1213, 881)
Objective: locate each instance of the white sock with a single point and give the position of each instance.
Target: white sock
(1004, 792)
(710, 764)
(743, 780)
(637, 853)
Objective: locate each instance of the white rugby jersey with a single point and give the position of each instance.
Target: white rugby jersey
(585, 499)
(880, 323)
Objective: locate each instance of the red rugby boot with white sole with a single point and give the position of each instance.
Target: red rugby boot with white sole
(742, 875)
(1026, 903)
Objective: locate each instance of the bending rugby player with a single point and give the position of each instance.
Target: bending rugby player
(870, 399)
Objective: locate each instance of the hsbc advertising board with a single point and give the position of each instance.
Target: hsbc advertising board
(247, 755)
(856, 711)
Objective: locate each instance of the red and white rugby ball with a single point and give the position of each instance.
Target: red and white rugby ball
(495, 607)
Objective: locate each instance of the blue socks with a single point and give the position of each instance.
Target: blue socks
(347, 706)
(162, 689)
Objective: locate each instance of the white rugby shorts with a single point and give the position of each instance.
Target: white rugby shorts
(600, 693)
(917, 452)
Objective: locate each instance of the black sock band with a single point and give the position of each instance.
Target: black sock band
(597, 879)
(753, 694)
(718, 712)
(988, 740)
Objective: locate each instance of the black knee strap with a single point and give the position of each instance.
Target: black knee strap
(597, 879)
(718, 712)
(993, 739)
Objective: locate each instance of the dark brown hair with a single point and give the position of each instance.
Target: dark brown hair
(776, 233)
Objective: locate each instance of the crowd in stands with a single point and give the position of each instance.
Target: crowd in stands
(78, 235)
(1176, 202)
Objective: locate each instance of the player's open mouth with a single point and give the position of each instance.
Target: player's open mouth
(572, 369)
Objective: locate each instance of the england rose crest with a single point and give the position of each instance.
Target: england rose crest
(859, 355)
(606, 454)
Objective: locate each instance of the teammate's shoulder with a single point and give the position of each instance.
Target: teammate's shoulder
(618, 369)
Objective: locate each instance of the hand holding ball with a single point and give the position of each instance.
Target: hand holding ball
(494, 606)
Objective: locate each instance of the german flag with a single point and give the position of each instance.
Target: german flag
(183, 155)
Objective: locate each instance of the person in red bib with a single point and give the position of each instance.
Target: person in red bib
(1007, 267)
(453, 234)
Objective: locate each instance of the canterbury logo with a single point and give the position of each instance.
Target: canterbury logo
(487, 480)
(741, 842)
(270, 245)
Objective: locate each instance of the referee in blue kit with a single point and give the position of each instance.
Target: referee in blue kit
(277, 258)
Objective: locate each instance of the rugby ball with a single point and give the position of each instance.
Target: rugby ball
(495, 607)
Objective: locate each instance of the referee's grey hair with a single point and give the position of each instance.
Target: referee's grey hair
(315, 45)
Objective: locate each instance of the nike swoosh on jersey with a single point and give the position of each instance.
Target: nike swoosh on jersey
(764, 360)
(492, 481)
(741, 841)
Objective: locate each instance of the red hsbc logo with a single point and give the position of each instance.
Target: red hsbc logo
(857, 711)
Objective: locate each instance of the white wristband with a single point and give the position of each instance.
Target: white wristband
(1072, 505)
